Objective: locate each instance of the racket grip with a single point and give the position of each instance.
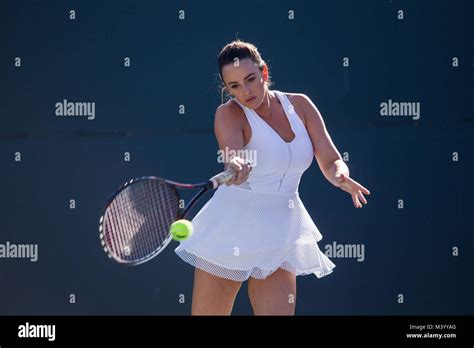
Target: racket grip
(222, 178)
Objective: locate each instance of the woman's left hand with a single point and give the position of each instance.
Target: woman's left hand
(352, 187)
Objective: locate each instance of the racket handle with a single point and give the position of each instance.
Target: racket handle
(222, 178)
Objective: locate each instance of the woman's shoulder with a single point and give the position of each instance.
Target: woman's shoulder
(230, 119)
(230, 113)
(230, 105)
(230, 109)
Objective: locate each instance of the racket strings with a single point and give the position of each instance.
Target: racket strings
(136, 223)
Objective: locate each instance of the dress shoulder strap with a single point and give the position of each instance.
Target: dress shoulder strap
(248, 114)
(289, 109)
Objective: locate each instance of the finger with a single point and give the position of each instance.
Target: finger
(363, 189)
(361, 196)
(355, 200)
(244, 174)
(358, 186)
(239, 178)
(236, 166)
(250, 164)
(359, 204)
(247, 168)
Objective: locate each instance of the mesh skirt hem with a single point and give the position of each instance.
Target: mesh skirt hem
(242, 275)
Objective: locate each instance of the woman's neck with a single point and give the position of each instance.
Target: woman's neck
(265, 110)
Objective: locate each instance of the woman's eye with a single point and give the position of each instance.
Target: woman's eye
(249, 80)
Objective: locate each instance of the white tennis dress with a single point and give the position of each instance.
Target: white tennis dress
(252, 229)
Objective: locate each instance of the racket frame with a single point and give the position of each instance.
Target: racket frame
(205, 187)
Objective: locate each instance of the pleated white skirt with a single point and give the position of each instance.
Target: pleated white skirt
(241, 233)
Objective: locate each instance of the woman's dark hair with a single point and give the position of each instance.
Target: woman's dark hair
(241, 50)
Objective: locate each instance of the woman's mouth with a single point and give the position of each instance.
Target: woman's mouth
(248, 100)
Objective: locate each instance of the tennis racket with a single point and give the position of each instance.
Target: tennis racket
(134, 225)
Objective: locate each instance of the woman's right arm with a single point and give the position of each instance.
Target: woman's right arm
(230, 136)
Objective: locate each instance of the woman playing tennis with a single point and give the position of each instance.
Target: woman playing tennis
(256, 228)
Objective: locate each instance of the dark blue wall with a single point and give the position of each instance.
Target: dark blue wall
(408, 251)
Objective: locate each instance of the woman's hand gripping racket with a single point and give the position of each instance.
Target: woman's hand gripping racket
(135, 224)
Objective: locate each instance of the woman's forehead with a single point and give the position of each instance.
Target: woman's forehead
(239, 69)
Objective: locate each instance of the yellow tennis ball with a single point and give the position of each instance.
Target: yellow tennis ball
(181, 229)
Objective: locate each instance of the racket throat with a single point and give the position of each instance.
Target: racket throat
(194, 199)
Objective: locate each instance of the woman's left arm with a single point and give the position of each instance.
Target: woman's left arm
(328, 157)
